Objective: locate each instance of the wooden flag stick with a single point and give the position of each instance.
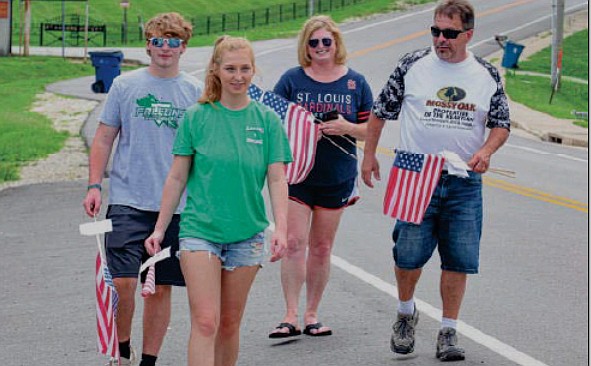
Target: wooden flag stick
(505, 172)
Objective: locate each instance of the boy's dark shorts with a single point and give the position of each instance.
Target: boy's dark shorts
(125, 245)
(328, 197)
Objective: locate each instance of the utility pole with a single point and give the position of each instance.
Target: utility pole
(557, 36)
(5, 27)
(86, 30)
(124, 4)
(27, 27)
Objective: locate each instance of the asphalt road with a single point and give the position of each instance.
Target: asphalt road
(528, 306)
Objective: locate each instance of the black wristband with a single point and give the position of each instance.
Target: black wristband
(96, 185)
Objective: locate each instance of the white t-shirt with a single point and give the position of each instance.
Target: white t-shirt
(442, 105)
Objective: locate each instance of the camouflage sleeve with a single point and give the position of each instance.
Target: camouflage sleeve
(389, 102)
(498, 112)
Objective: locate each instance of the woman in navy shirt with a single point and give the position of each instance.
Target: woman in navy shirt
(322, 84)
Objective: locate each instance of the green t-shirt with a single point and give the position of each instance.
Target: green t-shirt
(231, 153)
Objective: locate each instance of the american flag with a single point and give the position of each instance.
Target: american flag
(301, 130)
(149, 287)
(413, 179)
(106, 310)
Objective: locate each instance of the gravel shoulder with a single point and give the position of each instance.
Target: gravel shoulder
(71, 162)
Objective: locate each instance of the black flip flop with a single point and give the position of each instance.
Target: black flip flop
(292, 331)
(309, 327)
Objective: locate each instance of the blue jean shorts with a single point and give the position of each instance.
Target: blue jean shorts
(245, 253)
(452, 223)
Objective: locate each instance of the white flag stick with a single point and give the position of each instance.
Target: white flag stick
(161, 255)
(97, 228)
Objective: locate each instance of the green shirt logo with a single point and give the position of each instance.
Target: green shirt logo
(162, 113)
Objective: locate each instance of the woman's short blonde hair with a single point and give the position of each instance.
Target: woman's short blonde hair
(312, 25)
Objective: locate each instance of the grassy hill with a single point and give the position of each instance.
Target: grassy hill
(110, 11)
(257, 19)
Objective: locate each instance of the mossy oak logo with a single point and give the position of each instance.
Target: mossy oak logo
(162, 113)
(451, 94)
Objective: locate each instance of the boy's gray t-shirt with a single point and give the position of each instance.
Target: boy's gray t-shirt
(148, 111)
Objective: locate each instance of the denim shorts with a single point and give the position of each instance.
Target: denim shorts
(125, 245)
(329, 197)
(245, 253)
(452, 223)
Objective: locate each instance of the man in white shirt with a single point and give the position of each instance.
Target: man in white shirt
(444, 97)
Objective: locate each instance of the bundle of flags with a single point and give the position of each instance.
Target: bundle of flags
(412, 181)
(301, 130)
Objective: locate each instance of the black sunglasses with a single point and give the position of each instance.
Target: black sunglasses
(447, 33)
(313, 42)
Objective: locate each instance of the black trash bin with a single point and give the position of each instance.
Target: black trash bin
(107, 65)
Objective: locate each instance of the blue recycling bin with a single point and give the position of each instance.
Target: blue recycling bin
(107, 65)
(511, 54)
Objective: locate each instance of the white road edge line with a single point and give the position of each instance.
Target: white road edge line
(491, 39)
(474, 334)
(541, 152)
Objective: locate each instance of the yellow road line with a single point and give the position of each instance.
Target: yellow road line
(536, 194)
(391, 43)
(418, 34)
(502, 8)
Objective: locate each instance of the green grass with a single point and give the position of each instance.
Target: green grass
(575, 59)
(109, 11)
(534, 92)
(27, 136)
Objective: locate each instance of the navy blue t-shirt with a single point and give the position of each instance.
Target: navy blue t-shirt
(351, 96)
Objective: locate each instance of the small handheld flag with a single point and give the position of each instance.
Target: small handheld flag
(412, 181)
(106, 295)
(302, 131)
(149, 287)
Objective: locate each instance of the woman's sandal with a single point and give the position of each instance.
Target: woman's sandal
(292, 331)
(317, 326)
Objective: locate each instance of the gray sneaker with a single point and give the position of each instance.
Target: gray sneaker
(447, 348)
(403, 333)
